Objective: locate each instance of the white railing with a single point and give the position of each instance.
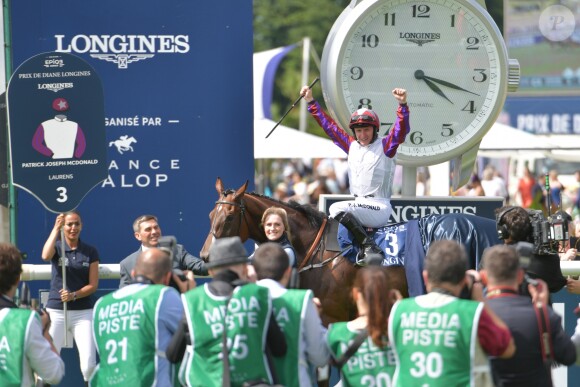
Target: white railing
(570, 267)
(42, 272)
(111, 271)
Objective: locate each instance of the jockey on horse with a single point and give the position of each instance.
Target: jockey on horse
(371, 165)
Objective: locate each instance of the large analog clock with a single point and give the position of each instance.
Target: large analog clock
(448, 54)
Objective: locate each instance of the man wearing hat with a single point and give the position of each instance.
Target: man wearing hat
(243, 309)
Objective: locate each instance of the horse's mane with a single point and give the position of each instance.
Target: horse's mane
(314, 217)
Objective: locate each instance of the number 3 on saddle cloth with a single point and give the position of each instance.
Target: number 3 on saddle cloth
(390, 239)
(405, 244)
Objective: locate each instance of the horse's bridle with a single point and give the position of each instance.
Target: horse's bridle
(242, 214)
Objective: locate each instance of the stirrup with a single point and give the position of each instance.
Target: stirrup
(367, 255)
(361, 259)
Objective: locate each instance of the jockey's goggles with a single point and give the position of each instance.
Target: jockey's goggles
(365, 118)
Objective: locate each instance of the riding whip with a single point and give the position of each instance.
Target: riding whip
(292, 107)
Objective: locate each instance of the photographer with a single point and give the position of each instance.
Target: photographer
(143, 317)
(296, 314)
(218, 304)
(26, 344)
(516, 224)
(439, 327)
(503, 275)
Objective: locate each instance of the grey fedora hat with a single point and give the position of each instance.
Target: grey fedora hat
(226, 252)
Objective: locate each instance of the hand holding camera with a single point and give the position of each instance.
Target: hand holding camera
(180, 280)
(539, 291)
(185, 280)
(473, 288)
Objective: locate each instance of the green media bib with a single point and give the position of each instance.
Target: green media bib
(289, 311)
(368, 366)
(124, 329)
(248, 314)
(434, 345)
(14, 325)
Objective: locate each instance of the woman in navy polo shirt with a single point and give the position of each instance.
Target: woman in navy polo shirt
(82, 280)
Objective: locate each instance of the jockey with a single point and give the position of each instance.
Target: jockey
(371, 165)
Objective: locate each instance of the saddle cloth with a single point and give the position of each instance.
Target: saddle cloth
(390, 239)
(401, 245)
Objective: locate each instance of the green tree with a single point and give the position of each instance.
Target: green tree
(283, 22)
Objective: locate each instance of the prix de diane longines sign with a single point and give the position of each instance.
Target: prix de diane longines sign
(57, 129)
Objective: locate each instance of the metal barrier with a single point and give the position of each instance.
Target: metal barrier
(111, 271)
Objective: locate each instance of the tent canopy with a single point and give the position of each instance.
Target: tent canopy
(506, 141)
(287, 143)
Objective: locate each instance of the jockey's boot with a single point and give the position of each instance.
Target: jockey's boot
(367, 243)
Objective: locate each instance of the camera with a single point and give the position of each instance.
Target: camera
(168, 244)
(466, 291)
(548, 233)
(525, 251)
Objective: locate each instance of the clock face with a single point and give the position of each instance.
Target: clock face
(447, 54)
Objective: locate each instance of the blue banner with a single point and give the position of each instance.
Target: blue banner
(177, 80)
(543, 115)
(57, 129)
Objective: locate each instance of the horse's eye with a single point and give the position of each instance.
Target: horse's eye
(229, 218)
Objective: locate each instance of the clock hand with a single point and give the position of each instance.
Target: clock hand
(419, 74)
(445, 83)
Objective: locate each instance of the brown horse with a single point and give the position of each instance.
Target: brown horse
(327, 273)
(330, 275)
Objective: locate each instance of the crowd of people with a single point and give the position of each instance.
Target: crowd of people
(250, 326)
(304, 180)
(250, 321)
(472, 327)
(247, 321)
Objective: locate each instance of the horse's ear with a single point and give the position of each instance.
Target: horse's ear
(242, 189)
(219, 186)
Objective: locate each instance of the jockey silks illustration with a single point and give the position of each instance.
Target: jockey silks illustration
(59, 138)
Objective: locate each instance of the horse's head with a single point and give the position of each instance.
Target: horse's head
(227, 217)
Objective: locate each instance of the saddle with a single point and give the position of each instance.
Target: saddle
(390, 239)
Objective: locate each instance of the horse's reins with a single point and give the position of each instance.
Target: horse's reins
(315, 246)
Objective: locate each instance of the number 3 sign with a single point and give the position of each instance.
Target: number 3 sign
(56, 121)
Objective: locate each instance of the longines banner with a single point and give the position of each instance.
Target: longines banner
(177, 81)
(405, 209)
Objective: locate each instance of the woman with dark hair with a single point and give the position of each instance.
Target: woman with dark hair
(373, 362)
